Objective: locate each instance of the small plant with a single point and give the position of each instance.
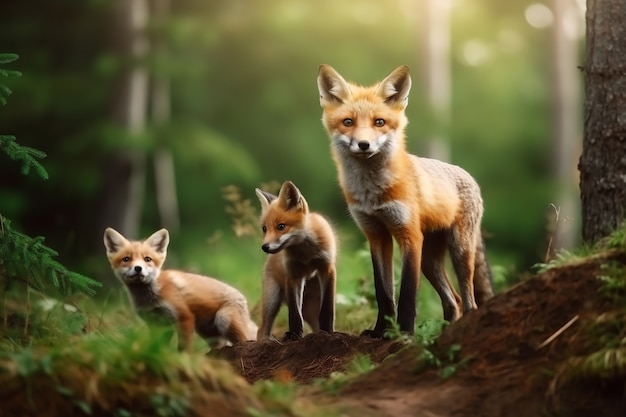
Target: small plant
(448, 361)
(358, 366)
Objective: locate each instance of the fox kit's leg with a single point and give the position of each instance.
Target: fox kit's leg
(186, 326)
(327, 311)
(433, 256)
(271, 301)
(232, 324)
(381, 248)
(311, 302)
(294, 292)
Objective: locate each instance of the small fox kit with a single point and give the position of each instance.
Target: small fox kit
(212, 308)
(300, 268)
(425, 204)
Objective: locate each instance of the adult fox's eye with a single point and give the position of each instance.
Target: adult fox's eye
(126, 259)
(147, 259)
(347, 122)
(281, 226)
(379, 122)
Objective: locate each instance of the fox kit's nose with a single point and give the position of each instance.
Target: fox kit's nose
(137, 269)
(364, 145)
(266, 247)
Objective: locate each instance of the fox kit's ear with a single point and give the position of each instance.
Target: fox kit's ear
(291, 198)
(395, 88)
(265, 198)
(332, 86)
(113, 240)
(159, 240)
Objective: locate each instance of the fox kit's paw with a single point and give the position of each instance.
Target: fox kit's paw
(372, 334)
(291, 336)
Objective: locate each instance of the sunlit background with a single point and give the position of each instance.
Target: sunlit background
(145, 128)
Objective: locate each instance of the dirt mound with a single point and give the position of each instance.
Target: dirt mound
(505, 358)
(316, 355)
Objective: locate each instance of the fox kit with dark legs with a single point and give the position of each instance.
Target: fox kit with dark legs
(424, 204)
(211, 307)
(300, 268)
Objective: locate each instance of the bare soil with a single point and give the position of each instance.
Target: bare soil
(512, 353)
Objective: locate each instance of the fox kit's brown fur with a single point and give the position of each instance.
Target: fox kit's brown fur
(300, 268)
(211, 307)
(425, 204)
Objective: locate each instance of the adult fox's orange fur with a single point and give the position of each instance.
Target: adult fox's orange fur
(211, 307)
(425, 204)
(300, 267)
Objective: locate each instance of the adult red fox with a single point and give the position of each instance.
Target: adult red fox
(425, 204)
(211, 307)
(300, 267)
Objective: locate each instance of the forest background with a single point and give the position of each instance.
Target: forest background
(493, 91)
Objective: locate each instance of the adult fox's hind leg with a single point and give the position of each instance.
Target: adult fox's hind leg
(433, 267)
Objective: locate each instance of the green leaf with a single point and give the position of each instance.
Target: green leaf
(5, 58)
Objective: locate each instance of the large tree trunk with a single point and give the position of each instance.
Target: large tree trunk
(603, 162)
(124, 173)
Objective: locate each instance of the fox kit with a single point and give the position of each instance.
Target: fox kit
(300, 268)
(424, 204)
(212, 308)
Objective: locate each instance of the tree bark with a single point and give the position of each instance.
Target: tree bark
(125, 171)
(603, 162)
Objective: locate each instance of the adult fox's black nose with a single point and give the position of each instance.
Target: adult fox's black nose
(364, 145)
(138, 269)
(266, 247)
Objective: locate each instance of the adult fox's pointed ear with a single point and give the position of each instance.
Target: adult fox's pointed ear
(291, 198)
(332, 86)
(159, 240)
(265, 198)
(395, 88)
(113, 240)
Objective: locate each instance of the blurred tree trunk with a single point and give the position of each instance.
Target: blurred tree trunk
(566, 112)
(437, 84)
(603, 162)
(125, 172)
(164, 172)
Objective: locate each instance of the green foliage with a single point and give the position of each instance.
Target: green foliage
(358, 366)
(28, 156)
(24, 258)
(5, 73)
(447, 362)
(28, 260)
(119, 371)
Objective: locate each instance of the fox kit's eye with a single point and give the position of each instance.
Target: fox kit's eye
(264, 229)
(379, 122)
(281, 226)
(347, 122)
(147, 259)
(126, 259)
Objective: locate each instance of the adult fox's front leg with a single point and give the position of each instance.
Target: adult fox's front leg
(381, 249)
